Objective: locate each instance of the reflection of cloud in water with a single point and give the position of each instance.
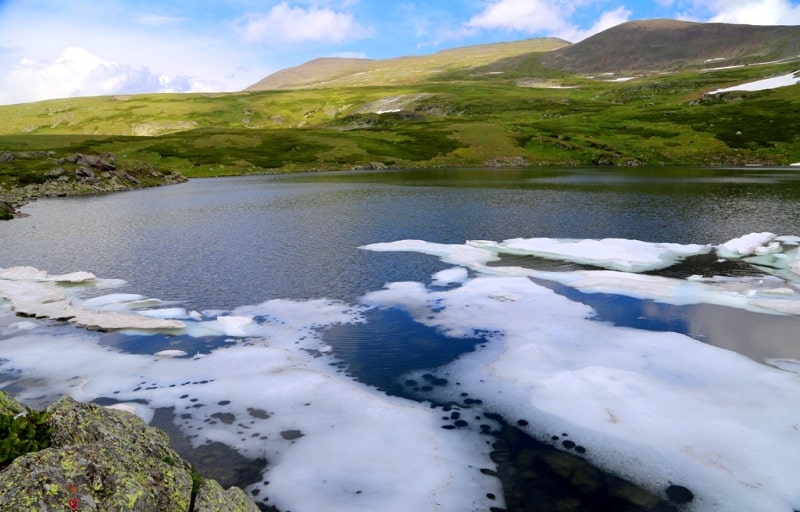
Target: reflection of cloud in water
(352, 448)
(659, 408)
(656, 407)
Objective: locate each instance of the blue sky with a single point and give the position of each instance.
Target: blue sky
(64, 48)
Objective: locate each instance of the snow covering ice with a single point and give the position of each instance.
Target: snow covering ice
(33, 292)
(765, 84)
(612, 253)
(657, 408)
(353, 448)
(766, 251)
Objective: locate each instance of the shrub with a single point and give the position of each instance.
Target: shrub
(22, 433)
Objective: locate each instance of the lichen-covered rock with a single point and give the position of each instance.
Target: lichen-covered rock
(8, 405)
(211, 497)
(99, 459)
(105, 460)
(94, 477)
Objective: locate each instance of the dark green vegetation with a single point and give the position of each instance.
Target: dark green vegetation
(496, 106)
(22, 433)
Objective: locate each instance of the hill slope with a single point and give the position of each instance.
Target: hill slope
(669, 45)
(494, 105)
(334, 72)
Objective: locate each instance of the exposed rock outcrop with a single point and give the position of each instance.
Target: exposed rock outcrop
(77, 174)
(102, 459)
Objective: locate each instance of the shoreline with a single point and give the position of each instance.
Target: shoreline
(76, 175)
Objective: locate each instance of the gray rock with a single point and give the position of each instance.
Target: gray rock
(211, 497)
(106, 162)
(6, 210)
(103, 460)
(84, 173)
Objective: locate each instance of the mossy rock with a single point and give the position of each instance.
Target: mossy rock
(106, 460)
(6, 210)
(8, 405)
(211, 497)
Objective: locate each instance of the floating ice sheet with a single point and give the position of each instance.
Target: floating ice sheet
(34, 293)
(656, 407)
(611, 253)
(331, 444)
(765, 251)
(659, 408)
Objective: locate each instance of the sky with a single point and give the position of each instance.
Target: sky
(66, 48)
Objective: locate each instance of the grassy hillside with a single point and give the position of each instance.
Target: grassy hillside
(402, 70)
(511, 111)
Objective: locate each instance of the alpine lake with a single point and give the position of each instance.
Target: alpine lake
(378, 283)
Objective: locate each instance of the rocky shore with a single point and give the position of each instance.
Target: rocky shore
(44, 174)
(100, 459)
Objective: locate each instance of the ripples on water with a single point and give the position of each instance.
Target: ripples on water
(223, 243)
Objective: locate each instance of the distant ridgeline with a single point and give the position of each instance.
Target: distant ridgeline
(656, 92)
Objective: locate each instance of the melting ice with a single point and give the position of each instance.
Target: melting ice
(658, 408)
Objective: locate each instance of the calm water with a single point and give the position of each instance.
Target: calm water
(227, 242)
(219, 243)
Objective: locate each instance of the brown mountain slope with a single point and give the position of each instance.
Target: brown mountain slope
(658, 45)
(329, 72)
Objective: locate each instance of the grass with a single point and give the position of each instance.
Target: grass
(467, 116)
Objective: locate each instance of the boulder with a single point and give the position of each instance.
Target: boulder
(102, 459)
(106, 162)
(211, 497)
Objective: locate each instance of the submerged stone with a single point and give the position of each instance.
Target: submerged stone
(679, 494)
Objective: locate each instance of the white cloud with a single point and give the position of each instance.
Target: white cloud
(522, 15)
(550, 17)
(607, 20)
(77, 72)
(754, 12)
(284, 23)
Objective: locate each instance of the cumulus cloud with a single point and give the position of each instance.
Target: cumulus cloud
(550, 17)
(77, 72)
(522, 15)
(754, 12)
(284, 23)
(606, 20)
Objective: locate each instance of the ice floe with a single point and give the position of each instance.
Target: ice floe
(331, 443)
(35, 293)
(767, 252)
(612, 253)
(657, 407)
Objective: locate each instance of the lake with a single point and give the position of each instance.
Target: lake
(441, 339)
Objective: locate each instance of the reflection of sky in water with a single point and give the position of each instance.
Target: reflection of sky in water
(611, 358)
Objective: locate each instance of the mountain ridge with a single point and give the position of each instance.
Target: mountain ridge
(670, 45)
(640, 46)
(342, 72)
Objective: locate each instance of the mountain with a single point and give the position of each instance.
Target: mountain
(532, 102)
(338, 72)
(670, 45)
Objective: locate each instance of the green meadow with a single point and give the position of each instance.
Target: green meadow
(506, 113)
